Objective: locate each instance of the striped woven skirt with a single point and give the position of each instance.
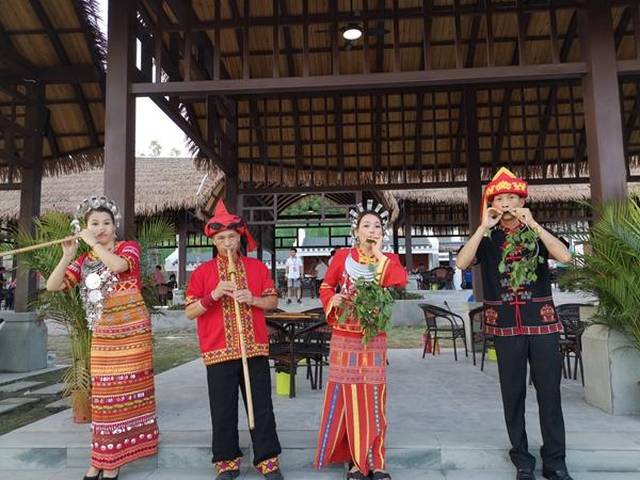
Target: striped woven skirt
(353, 424)
(123, 407)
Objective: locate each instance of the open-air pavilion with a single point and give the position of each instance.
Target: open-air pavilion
(417, 113)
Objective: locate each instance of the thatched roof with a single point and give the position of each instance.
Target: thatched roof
(162, 185)
(537, 194)
(402, 135)
(57, 44)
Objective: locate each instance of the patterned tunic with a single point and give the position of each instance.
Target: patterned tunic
(527, 311)
(354, 424)
(217, 328)
(123, 409)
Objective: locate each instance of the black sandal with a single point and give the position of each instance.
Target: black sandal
(380, 476)
(93, 477)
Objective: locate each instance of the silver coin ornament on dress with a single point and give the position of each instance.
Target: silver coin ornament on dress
(98, 281)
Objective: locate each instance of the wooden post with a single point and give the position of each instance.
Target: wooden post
(183, 232)
(602, 113)
(119, 157)
(396, 242)
(30, 191)
(474, 184)
(408, 255)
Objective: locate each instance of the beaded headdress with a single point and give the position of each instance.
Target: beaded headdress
(92, 203)
(360, 209)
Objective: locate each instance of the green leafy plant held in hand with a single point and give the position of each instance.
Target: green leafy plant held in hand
(371, 305)
(524, 243)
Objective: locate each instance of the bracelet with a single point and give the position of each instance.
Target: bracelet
(207, 302)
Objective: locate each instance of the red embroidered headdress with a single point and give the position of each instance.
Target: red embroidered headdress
(223, 220)
(504, 181)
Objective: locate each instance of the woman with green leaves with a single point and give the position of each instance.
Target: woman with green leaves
(512, 250)
(353, 424)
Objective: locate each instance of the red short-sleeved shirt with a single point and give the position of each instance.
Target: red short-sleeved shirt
(217, 330)
(129, 250)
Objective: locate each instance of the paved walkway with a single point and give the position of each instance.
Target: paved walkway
(445, 422)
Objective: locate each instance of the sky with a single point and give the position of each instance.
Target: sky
(151, 122)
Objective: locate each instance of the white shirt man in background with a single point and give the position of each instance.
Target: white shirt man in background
(320, 271)
(293, 273)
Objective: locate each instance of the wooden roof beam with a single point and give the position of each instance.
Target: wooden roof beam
(184, 12)
(186, 15)
(64, 58)
(86, 28)
(291, 73)
(506, 101)
(184, 125)
(360, 82)
(373, 15)
(259, 129)
(58, 74)
(339, 134)
(468, 63)
(552, 99)
(12, 59)
(51, 136)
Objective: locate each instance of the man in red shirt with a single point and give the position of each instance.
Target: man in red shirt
(210, 299)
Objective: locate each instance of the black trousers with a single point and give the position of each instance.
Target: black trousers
(225, 380)
(543, 354)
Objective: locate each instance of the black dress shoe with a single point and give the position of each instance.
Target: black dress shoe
(228, 475)
(94, 477)
(525, 474)
(357, 475)
(556, 474)
(380, 476)
(274, 475)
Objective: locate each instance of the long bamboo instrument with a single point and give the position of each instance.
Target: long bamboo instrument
(38, 246)
(231, 268)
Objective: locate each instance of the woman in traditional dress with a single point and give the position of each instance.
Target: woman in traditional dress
(123, 409)
(353, 421)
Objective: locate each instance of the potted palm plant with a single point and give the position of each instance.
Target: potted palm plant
(611, 343)
(66, 307)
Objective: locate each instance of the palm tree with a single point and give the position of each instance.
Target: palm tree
(66, 307)
(611, 269)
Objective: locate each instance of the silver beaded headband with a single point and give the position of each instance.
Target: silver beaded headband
(360, 209)
(92, 203)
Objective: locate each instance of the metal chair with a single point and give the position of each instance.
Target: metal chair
(479, 336)
(441, 323)
(571, 339)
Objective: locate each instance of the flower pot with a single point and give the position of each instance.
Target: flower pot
(81, 404)
(610, 371)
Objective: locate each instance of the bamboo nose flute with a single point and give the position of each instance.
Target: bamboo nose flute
(231, 269)
(30, 248)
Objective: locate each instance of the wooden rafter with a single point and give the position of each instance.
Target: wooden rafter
(552, 99)
(506, 101)
(291, 72)
(65, 60)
